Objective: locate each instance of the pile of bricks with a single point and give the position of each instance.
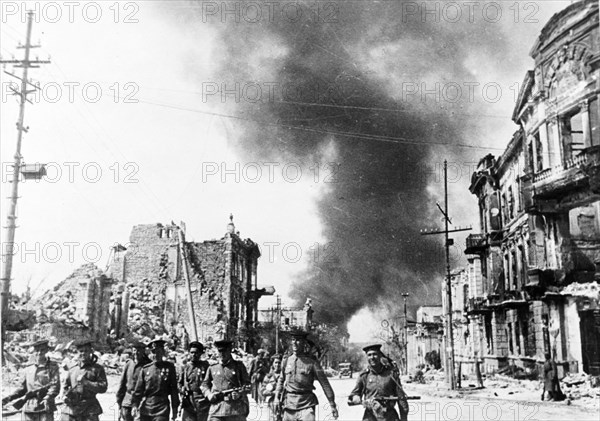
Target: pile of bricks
(58, 306)
(577, 386)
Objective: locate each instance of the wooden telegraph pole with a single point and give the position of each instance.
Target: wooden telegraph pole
(450, 376)
(277, 323)
(9, 243)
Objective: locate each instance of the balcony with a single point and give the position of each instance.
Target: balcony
(538, 279)
(514, 300)
(574, 173)
(476, 244)
(477, 305)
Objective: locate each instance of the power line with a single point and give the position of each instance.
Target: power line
(356, 135)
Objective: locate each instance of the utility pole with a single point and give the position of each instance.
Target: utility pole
(9, 244)
(405, 296)
(277, 323)
(186, 275)
(450, 376)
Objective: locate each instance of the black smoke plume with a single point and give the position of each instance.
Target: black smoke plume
(348, 72)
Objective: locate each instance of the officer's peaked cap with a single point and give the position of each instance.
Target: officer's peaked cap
(155, 343)
(298, 333)
(223, 344)
(138, 344)
(375, 347)
(196, 344)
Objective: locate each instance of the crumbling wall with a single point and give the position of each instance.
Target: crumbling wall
(147, 271)
(209, 284)
(78, 306)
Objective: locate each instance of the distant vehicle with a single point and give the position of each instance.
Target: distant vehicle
(345, 369)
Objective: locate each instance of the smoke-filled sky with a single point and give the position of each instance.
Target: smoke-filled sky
(385, 91)
(338, 116)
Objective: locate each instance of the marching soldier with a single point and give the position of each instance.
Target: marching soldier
(40, 385)
(156, 382)
(379, 388)
(226, 385)
(129, 378)
(83, 382)
(194, 405)
(296, 383)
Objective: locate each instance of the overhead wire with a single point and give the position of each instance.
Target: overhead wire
(356, 135)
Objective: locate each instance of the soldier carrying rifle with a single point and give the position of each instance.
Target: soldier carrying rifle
(378, 388)
(226, 386)
(39, 387)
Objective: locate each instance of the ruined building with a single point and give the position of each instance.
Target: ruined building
(426, 336)
(78, 307)
(160, 271)
(539, 247)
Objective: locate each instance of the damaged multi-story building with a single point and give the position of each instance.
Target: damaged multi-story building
(539, 202)
(207, 289)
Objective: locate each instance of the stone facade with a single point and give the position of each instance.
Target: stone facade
(540, 209)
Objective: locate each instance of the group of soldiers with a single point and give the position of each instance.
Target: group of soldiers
(151, 390)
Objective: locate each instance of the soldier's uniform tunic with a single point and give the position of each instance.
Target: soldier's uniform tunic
(37, 376)
(156, 382)
(371, 385)
(297, 380)
(129, 379)
(219, 377)
(83, 405)
(191, 379)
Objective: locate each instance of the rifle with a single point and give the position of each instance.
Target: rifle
(19, 403)
(368, 402)
(381, 399)
(186, 395)
(227, 392)
(278, 410)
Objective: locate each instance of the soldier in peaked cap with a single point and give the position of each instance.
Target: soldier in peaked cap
(84, 381)
(296, 383)
(131, 373)
(156, 382)
(379, 388)
(40, 385)
(194, 405)
(225, 375)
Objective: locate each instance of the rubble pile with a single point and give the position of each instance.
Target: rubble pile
(145, 311)
(15, 357)
(577, 386)
(60, 303)
(590, 290)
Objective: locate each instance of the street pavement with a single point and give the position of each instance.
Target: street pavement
(431, 407)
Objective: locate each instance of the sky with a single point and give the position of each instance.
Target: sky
(321, 126)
